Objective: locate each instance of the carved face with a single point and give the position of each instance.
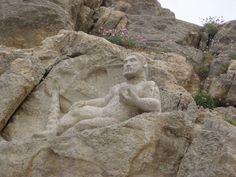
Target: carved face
(132, 67)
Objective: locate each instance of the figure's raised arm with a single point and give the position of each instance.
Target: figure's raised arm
(98, 102)
(150, 100)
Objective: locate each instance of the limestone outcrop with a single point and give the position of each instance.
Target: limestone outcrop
(45, 42)
(92, 66)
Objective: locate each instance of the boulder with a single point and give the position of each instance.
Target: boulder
(25, 24)
(107, 18)
(223, 87)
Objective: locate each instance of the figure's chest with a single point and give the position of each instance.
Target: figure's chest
(139, 89)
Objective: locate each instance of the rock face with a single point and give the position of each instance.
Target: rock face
(221, 79)
(19, 75)
(32, 20)
(93, 66)
(212, 151)
(164, 32)
(223, 87)
(147, 145)
(160, 29)
(182, 141)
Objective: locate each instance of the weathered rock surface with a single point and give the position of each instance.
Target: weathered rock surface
(212, 151)
(223, 87)
(220, 82)
(20, 73)
(224, 46)
(160, 29)
(150, 144)
(109, 18)
(92, 66)
(147, 145)
(31, 22)
(226, 113)
(225, 38)
(178, 66)
(183, 143)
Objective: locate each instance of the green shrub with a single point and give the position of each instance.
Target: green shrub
(211, 25)
(202, 98)
(122, 41)
(203, 71)
(211, 28)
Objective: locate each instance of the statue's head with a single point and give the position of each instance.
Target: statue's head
(135, 65)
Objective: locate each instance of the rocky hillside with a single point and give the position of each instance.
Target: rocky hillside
(75, 43)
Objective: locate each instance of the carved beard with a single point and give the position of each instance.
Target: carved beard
(131, 73)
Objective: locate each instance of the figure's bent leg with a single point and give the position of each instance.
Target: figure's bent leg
(77, 115)
(93, 123)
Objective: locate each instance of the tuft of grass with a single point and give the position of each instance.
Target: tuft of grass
(233, 122)
(232, 55)
(223, 68)
(203, 71)
(204, 68)
(205, 100)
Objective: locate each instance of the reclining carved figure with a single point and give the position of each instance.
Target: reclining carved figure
(124, 100)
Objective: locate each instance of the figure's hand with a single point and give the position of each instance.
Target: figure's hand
(128, 96)
(78, 104)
